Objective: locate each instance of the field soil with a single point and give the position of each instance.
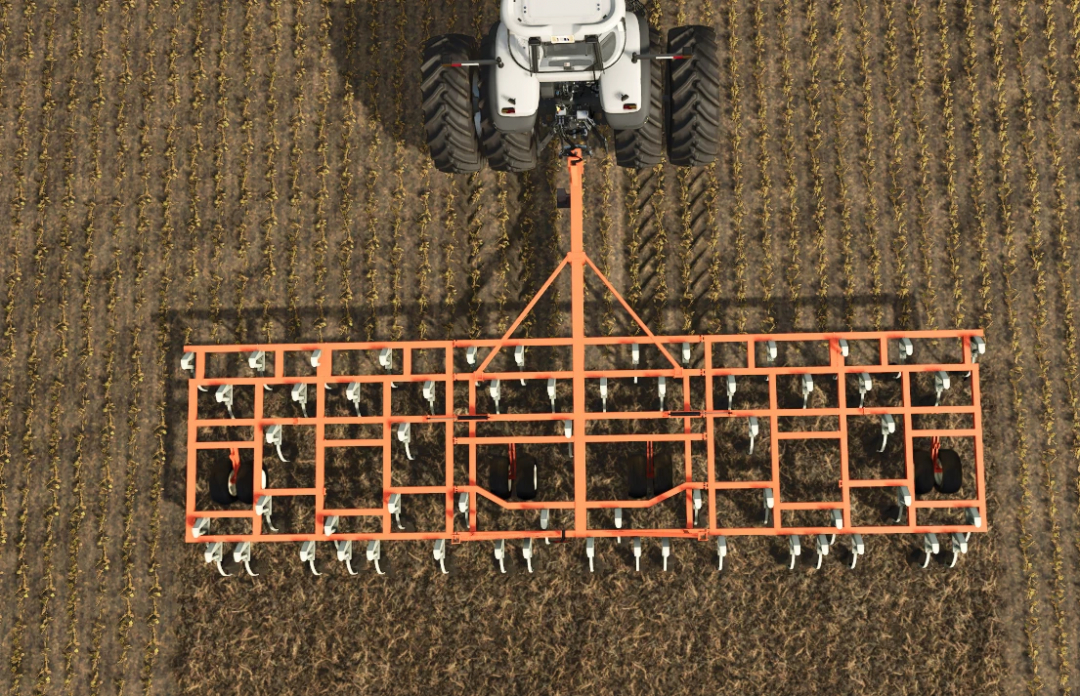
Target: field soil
(228, 171)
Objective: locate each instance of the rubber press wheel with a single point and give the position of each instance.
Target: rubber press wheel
(499, 478)
(526, 477)
(449, 111)
(245, 483)
(924, 472)
(662, 470)
(638, 484)
(644, 147)
(694, 109)
(220, 471)
(952, 472)
(505, 152)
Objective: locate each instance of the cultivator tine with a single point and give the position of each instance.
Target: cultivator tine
(888, 427)
(794, 548)
(603, 392)
(903, 500)
(730, 386)
(316, 358)
(352, 393)
(637, 554)
(767, 501)
(393, 506)
(635, 358)
(974, 519)
(551, 393)
(545, 518)
(429, 394)
(770, 355)
(807, 389)
(930, 547)
(665, 551)
(686, 354)
(838, 521)
(257, 362)
(344, 548)
(264, 507)
(440, 555)
(500, 555)
(662, 388)
(404, 436)
(299, 395)
(495, 390)
(959, 546)
(307, 555)
(386, 360)
(527, 553)
(865, 385)
(242, 554)
(374, 555)
(754, 430)
(978, 348)
(941, 385)
(905, 349)
(699, 502)
(224, 395)
(214, 553)
(519, 360)
(821, 545)
(201, 527)
(590, 553)
(857, 548)
(721, 550)
(274, 437)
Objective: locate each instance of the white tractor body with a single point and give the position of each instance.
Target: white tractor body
(559, 69)
(559, 41)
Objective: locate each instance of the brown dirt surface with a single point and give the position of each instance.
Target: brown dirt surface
(230, 171)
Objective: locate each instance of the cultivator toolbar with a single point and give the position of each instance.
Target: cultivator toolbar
(695, 447)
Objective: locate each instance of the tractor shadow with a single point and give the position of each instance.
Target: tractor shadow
(377, 51)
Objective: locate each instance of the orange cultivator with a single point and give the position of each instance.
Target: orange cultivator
(942, 500)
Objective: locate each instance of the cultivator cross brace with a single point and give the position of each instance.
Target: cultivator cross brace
(708, 397)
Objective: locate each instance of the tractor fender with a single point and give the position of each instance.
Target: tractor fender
(628, 78)
(511, 81)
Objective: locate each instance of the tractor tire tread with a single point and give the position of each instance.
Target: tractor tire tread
(643, 147)
(694, 110)
(447, 104)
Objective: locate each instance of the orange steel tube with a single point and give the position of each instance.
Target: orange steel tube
(470, 424)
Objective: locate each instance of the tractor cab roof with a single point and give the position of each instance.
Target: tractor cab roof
(558, 21)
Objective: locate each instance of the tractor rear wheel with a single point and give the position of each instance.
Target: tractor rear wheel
(694, 109)
(505, 152)
(644, 147)
(448, 104)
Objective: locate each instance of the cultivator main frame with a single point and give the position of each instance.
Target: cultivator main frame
(698, 418)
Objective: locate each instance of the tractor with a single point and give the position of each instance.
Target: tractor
(558, 69)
